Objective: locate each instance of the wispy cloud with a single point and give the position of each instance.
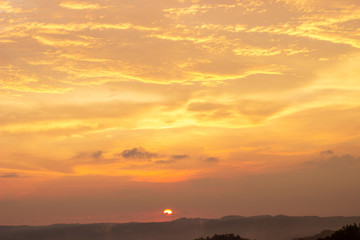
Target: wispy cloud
(9, 175)
(79, 5)
(326, 152)
(211, 160)
(178, 157)
(6, 7)
(138, 153)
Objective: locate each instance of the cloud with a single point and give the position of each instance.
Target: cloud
(211, 160)
(97, 154)
(8, 8)
(16, 79)
(53, 117)
(173, 159)
(165, 161)
(61, 42)
(55, 50)
(335, 163)
(9, 175)
(327, 152)
(138, 153)
(177, 157)
(204, 106)
(79, 5)
(257, 110)
(256, 51)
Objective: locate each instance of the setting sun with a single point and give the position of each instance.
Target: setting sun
(168, 211)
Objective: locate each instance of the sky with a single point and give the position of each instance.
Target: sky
(112, 111)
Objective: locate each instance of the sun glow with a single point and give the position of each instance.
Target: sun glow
(168, 211)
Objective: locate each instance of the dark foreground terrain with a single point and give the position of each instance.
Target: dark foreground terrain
(258, 227)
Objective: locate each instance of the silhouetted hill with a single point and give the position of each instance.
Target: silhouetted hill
(228, 236)
(348, 232)
(260, 228)
(323, 234)
(231, 217)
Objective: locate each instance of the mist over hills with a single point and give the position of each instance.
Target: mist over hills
(257, 227)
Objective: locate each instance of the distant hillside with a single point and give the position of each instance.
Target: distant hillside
(259, 227)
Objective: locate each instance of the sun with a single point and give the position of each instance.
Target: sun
(168, 211)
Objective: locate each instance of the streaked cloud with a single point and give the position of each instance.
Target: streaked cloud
(79, 5)
(16, 79)
(7, 7)
(9, 175)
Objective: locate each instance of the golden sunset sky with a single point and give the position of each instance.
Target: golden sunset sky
(115, 110)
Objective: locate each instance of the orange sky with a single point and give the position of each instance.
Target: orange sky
(115, 110)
